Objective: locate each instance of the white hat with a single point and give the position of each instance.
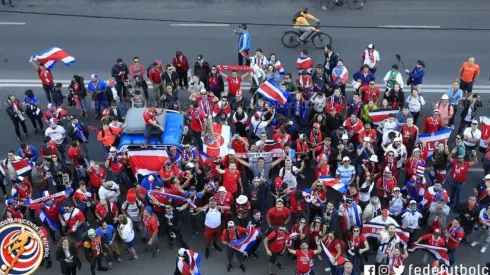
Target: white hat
(413, 202)
(416, 149)
(374, 158)
(396, 188)
(368, 139)
(370, 46)
(474, 121)
(345, 136)
(346, 158)
(151, 178)
(190, 165)
(231, 152)
(231, 223)
(221, 189)
(487, 177)
(204, 90)
(302, 136)
(181, 252)
(241, 199)
(444, 96)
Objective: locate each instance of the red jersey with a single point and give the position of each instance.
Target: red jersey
(50, 210)
(283, 139)
(230, 180)
(429, 237)
(74, 155)
(197, 117)
(323, 170)
(117, 165)
(147, 116)
(459, 171)
(369, 94)
(102, 210)
(234, 234)
(456, 233)
(239, 146)
(73, 218)
(277, 241)
(151, 224)
(14, 213)
(97, 178)
(385, 183)
(356, 242)
(233, 84)
(319, 197)
(22, 190)
(295, 229)
(432, 125)
(301, 147)
(83, 197)
(368, 133)
(277, 217)
(412, 164)
(155, 74)
(242, 210)
(227, 200)
(409, 134)
(297, 206)
(304, 261)
(45, 76)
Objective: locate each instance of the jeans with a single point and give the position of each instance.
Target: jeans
(47, 89)
(452, 256)
(455, 191)
(451, 120)
(149, 129)
(306, 31)
(62, 149)
(198, 140)
(100, 103)
(96, 263)
(83, 104)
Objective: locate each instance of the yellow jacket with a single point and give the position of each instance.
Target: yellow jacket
(302, 21)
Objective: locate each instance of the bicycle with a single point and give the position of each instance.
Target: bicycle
(320, 40)
(352, 4)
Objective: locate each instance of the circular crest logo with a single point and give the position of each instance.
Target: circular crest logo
(23, 247)
(218, 140)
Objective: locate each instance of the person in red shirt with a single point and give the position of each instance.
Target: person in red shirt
(239, 144)
(140, 193)
(275, 245)
(318, 198)
(298, 204)
(316, 139)
(155, 76)
(279, 214)
(458, 174)
(232, 233)
(97, 176)
(433, 239)
(151, 124)
(282, 136)
(454, 235)
(225, 200)
(46, 78)
(333, 245)
(53, 113)
(151, 224)
(357, 244)
(73, 220)
(197, 118)
(410, 133)
(368, 132)
(231, 179)
(181, 65)
(75, 154)
(107, 211)
(385, 185)
(413, 162)
(299, 232)
(353, 126)
(234, 82)
(117, 164)
(22, 191)
(370, 92)
(432, 124)
(304, 257)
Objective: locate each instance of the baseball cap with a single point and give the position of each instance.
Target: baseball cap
(94, 76)
(413, 202)
(192, 188)
(221, 189)
(435, 112)
(474, 121)
(370, 46)
(349, 199)
(487, 177)
(396, 188)
(151, 178)
(199, 57)
(385, 213)
(131, 197)
(257, 115)
(231, 224)
(149, 209)
(444, 96)
(302, 136)
(346, 158)
(91, 232)
(181, 252)
(437, 230)
(345, 136)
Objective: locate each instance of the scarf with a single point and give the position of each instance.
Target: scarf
(213, 83)
(391, 83)
(356, 214)
(27, 153)
(190, 154)
(16, 110)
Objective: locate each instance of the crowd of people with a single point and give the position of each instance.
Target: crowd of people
(324, 132)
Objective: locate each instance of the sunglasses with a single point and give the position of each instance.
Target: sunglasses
(371, 84)
(167, 208)
(356, 231)
(281, 230)
(302, 222)
(390, 155)
(213, 69)
(345, 161)
(136, 61)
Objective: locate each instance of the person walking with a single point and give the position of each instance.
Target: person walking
(10, 4)
(33, 112)
(16, 114)
(67, 255)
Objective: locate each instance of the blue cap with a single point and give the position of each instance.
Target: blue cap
(10, 202)
(192, 188)
(148, 209)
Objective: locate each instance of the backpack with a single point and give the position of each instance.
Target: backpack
(298, 14)
(270, 230)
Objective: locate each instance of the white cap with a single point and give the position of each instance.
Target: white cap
(182, 252)
(204, 91)
(241, 199)
(416, 149)
(444, 96)
(396, 188)
(487, 177)
(302, 136)
(221, 189)
(374, 158)
(345, 136)
(231, 223)
(413, 202)
(474, 121)
(190, 165)
(94, 76)
(231, 152)
(370, 46)
(346, 158)
(151, 177)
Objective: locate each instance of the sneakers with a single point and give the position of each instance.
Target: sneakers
(133, 258)
(194, 235)
(242, 267)
(217, 248)
(327, 269)
(229, 268)
(475, 243)
(483, 249)
(154, 254)
(279, 265)
(118, 260)
(206, 253)
(110, 265)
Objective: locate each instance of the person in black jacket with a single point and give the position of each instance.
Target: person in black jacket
(77, 89)
(202, 69)
(17, 116)
(331, 59)
(78, 131)
(470, 108)
(170, 77)
(468, 213)
(120, 73)
(320, 77)
(67, 255)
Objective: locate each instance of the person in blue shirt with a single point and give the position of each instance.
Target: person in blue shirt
(416, 76)
(455, 96)
(256, 221)
(33, 112)
(243, 44)
(107, 234)
(150, 182)
(97, 88)
(27, 151)
(365, 76)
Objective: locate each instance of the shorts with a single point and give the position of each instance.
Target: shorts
(273, 257)
(211, 234)
(147, 236)
(466, 86)
(130, 244)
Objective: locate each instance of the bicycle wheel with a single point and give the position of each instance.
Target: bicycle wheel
(290, 39)
(321, 40)
(355, 4)
(328, 5)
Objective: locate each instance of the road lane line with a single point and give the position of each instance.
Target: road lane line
(408, 27)
(199, 25)
(13, 23)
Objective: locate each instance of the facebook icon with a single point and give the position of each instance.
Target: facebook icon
(369, 269)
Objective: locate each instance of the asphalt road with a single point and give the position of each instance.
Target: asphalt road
(96, 43)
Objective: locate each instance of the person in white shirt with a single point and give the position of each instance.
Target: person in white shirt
(387, 125)
(370, 57)
(392, 78)
(372, 210)
(289, 173)
(415, 103)
(212, 224)
(411, 218)
(399, 150)
(259, 59)
(384, 218)
(396, 203)
(259, 125)
(388, 240)
(126, 232)
(133, 209)
(472, 136)
(109, 191)
(58, 134)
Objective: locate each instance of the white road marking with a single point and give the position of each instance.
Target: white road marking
(408, 27)
(199, 25)
(13, 23)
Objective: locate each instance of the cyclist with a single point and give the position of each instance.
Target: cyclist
(300, 22)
